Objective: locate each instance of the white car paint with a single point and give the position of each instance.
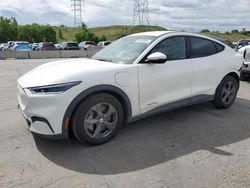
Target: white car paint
(246, 64)
(147, 85)
(241, 50)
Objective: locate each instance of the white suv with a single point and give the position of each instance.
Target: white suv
(132, 78)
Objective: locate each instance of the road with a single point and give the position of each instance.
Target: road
(196, 146)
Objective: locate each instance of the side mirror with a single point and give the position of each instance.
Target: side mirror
(156, 58)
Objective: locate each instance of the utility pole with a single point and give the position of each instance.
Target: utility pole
(141, 12)
(77, 7)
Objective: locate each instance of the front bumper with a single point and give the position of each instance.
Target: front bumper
(44, 112)
(44, 122)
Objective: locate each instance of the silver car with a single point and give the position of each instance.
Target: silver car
(245, 72)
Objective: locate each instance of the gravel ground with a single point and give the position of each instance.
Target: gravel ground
(196, 146)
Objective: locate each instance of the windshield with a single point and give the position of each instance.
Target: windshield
(22, 43)
(124, 50)
(89, 43)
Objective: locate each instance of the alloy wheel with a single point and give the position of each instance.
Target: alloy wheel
(228, 92)
(100, 120)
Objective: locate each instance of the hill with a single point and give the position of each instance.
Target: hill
(233, 37)
(116, 31)
(111, 32)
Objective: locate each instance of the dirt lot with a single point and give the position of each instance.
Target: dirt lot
(197, 146)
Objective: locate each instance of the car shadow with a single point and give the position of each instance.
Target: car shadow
(155, 140)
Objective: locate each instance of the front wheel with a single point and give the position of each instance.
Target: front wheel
(226, 92)
(97, 119)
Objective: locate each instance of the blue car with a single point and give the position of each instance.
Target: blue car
(21, 46)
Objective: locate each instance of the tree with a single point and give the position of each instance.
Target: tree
(60, 35)
(235, 31)
(245, 32)
(102, 38)
(8, 29)
(84, 26)
(205, 31)
(86, 34)
(37, 33)
(49, 33)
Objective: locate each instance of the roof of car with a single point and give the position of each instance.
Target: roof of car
(161, 33)
(152, 33)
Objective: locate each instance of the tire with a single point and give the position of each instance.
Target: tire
(97, 119)
(226, 92)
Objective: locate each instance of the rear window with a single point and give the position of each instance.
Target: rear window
(219, 47)
(72, 44)
(202, 47)
(48, 44)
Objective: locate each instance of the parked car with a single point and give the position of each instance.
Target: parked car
(46, 46)
(243, 49)
(70, 46)
(10, 44)
(58, 46)
(21, 46)
(103, 44)
(242, 43)
(34, 46)
(234, 44)
(87, 45)
(245, 72)
(132, 78)
(4, 47)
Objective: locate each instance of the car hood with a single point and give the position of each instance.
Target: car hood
(66, 71)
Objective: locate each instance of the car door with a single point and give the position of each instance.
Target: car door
(207, 66)
(160, 84)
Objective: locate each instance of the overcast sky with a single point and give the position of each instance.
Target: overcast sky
(191, 15)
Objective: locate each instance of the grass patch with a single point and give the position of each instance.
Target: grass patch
(117, 31)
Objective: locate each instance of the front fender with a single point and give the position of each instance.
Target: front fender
(115, 91)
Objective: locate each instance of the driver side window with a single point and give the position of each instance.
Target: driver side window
(174, 48)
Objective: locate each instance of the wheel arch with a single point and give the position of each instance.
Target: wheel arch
(235, 75)
(113, 90)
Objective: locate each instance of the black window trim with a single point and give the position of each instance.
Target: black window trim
(191, 50)
(142, 61)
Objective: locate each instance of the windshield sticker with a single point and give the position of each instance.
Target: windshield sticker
(144, 41)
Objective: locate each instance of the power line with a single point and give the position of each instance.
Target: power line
(141, 12)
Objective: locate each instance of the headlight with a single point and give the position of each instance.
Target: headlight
(55, 88)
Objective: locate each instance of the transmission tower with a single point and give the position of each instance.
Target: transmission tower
(141, 12)
(78, 8)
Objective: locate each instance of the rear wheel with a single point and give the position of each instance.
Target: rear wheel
(97, 119)
(226, 92)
